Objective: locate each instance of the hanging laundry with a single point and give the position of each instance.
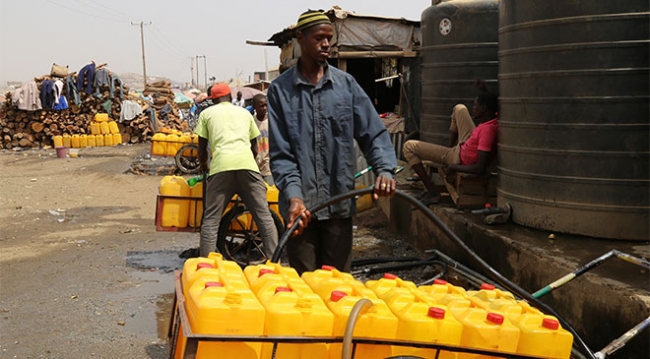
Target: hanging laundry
(86, 73)
(114, 79)
(62, 103)
(47, 93)
(71, 89)
(27, 97)
(102, 78)
(130, 110)
(58, 89)
(107, 105)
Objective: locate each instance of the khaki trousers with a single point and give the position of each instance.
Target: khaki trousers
(417, 151)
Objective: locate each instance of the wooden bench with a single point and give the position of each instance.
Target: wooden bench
(467, 190)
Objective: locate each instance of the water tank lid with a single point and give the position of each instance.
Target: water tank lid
(390, 276)
(326, 267)
(282, 289)
(213, 284)
(439, 281)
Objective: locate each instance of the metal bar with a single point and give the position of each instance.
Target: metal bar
(362, 172)
(621, 341)
(631, 259)
(589, 266)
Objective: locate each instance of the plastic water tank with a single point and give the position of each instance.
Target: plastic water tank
(459, 45)
(574, 126)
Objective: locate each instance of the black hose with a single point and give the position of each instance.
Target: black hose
(396, 266)
(491, 272)
(367, 261)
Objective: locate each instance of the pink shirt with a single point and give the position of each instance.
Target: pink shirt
(483, 138)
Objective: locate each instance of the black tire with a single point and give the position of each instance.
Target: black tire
(187, 159)
(243, 246)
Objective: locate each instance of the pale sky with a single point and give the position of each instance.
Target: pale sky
(36, 33)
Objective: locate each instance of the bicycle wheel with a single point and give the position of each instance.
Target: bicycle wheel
(187, 159)
(239, 239)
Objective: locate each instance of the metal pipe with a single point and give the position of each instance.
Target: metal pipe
(589, 266)
(623, 339)
(478, 261)
(349, 327)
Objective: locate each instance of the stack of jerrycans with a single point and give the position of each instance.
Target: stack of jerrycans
(220, 302)
(482, 328)
(420, 318)
(341, 292)
(292, 309)
(540, 335)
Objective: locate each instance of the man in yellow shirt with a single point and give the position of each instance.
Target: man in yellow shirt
(229, 130)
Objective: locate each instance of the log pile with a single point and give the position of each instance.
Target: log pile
(162, 94)
(34, 129)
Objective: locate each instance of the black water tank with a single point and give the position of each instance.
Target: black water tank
(459, 45)
(574, 124)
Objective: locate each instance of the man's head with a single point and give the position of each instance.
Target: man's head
(486, 105)
(259, 105)
(220, 92)
(239, 95)
(314, 32)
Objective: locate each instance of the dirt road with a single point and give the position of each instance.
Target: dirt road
(83, 272)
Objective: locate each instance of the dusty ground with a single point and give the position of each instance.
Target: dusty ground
(83, 272)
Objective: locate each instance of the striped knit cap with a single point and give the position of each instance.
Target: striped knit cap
(311, 18)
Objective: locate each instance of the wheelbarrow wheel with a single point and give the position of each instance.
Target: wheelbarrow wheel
(187, 159)
(239, 239)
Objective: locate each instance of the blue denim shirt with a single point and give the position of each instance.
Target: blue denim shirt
(311, 137)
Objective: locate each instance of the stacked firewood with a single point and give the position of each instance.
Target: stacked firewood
(162, 94)
(20, 128)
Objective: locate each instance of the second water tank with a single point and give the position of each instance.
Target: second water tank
(459, 45)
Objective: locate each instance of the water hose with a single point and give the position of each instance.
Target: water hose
(478, 261)
(349, 327)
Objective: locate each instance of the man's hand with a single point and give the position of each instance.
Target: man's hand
(203, 166)
(450, 173)
(298, 211)
(384, 187)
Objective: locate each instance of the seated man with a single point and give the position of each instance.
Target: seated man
(476, 146)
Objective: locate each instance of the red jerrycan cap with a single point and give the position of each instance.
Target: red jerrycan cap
(264, 271)
(390, 276)
(213, 284)
(437, 313)
(337, 295)
(282, 289)
(202, 265)
(326, 267)
(495, 318)
(487, 286)
(549, 323)
(439, 281)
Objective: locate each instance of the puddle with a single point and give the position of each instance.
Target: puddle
(152, 293)
(164, 261)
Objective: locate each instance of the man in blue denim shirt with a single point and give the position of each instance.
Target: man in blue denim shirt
(315, 113)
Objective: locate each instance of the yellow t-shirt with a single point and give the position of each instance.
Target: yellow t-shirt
(229, 130)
